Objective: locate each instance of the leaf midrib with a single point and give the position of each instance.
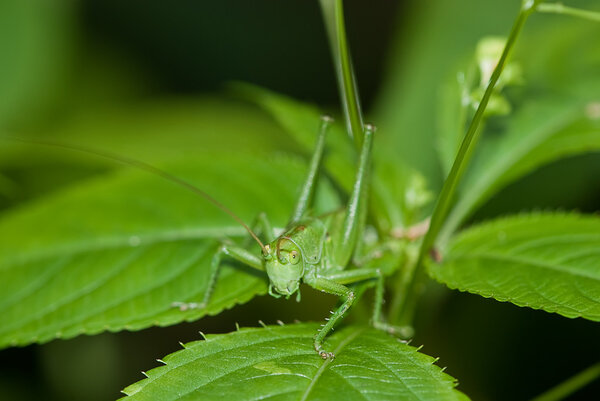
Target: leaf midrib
(99, 284)
(547, 240)
(175, 366)
(328, 362)
(107, 243)
(524, 260)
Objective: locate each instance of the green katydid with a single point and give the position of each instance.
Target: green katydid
(317, 251)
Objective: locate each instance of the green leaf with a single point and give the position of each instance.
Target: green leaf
(539, 133)
(280, 363)
(542, 260)
(115, 252)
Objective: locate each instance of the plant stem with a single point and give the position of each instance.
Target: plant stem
(404, 312)
(559, 8)
(571, 385)
(333, 14)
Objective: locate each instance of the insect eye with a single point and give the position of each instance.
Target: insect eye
(294, 257)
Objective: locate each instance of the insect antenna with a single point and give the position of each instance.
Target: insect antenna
(146, 167)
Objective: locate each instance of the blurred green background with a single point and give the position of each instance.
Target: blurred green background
(148, 79)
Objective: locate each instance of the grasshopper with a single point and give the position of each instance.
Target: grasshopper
(316, 251)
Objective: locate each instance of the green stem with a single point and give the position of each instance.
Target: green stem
(571, 385)
(333, 14)
(416, 285)
(559, 8)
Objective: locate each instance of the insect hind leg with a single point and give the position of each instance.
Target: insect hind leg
(310, 182)
(346, 240)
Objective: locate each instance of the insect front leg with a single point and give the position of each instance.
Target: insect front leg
(358, 275)
(331, 287)
(237, 253)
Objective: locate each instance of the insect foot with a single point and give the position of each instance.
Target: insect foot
(324, 354)
(183, 306)
(327, 355)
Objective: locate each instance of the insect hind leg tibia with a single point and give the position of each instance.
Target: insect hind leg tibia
(346, 240)
(237, 253)
(308, 188)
